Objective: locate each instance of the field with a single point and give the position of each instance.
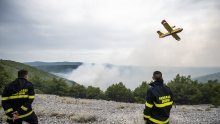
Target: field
(53, 109)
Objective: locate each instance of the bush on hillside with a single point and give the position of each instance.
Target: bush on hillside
(118, 92)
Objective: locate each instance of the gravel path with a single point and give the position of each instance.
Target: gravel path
(53, 109)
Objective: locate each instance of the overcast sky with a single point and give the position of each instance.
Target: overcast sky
(121, 32)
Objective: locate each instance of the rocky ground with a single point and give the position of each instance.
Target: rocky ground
(53, 109)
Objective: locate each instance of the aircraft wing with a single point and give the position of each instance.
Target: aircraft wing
(167, 26)
(176, 37)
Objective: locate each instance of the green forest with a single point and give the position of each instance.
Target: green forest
(185, 89)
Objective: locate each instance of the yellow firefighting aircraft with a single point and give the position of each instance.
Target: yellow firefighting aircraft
(171, 31)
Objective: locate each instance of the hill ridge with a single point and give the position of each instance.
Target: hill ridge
(205, 78)
(11, 67)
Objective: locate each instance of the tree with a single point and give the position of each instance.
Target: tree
(4, 78)
(118, 92)
(94, 93)
(78, 91)
(210, 92)
(39, 84)
(140, 92)
(185, 90)
(58, 87)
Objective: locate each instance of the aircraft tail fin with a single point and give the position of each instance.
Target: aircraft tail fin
(160, 34)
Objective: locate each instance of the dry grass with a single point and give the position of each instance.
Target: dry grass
(187, 108)
(208, 109)
(120, 107)
(184, 109)
(58, 115)
(83, 117)
(199, 109)
(124, 106)
(69, 100)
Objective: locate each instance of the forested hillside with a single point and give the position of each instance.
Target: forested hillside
(41, 79)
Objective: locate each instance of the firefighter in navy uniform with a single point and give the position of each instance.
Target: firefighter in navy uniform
(159, 101)
(17, 98)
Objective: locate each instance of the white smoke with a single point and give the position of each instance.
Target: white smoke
(103, 75)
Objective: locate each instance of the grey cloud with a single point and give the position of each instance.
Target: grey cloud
(20, 31)
(40, 26)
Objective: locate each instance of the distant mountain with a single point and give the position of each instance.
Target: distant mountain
(205, 78)
(39, 63)
(55, 67)
(12, 67)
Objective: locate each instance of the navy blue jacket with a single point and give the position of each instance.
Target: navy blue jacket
(18, 96)
(158, 104)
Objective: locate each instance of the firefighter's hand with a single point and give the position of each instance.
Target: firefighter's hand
(15, 116)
